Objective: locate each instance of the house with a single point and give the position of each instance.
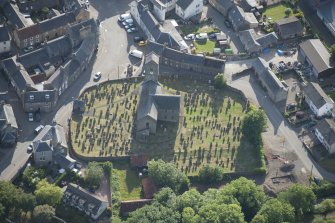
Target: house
(247, 5)
(154, 105)
(127, 207)
(4, 40)
(222, 6)
(318, 101)
(37, 5)
(164, 33)
(315, 54)
(162, 8)
(84, 201)
(8, 126)
(14, 18)
(41, 76)
(325, 12)
(187, 9)
(325, 132)
(46, 30)
(241, 20)
(49, 144)
(248, 41)
(276, 90)
(288, 28)
(186, 63)
(268, 40)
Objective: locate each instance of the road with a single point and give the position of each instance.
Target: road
(277, 123)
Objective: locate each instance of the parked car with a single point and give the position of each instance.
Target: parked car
(136, 53)
(138, 39)
(30, 148)
(132, 30)
(124, 17)
(227, 23)
(130, 26)
(291, 106)
(30, 117)
(189, 37)
(127, 22)
(213, 35)
(142, 43)
(201, 36)
(97, 76)
(38, 129)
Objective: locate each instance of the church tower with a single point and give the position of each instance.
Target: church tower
(151, 67)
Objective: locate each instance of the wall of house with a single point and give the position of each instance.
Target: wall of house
(168, 115)
(311, 105)
(219, 7)
(43, 158)
(329, 148)
(325, 109)
(5, 46)
(142, 124)
(159, 13)
(327, 24)
(194, 8)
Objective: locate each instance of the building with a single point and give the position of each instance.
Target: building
(276, 90)
(185, 63)
(241, 20)
(187, 9)
(40, 77)
(268, 40)
(222, 6)
(325, 12)
(325, 132)
(247, 5)
(4, 40)
(164, 33)
(154, 105)
(8, 126)
(78, 107)
(315, 54)
(318, 101)
(84, 201)
(50, 146)
(289, 28)
(248, 41)
(162, 8)
(34, 6)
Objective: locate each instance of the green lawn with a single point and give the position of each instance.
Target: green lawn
(276, 12)
(204, 46)
(129, 183)
(198, 28)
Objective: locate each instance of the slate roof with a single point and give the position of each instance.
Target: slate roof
(170, 102)
(13, 15)
(65, 162)
(74, 30)
(289, 26)
(237, 16)
(327, 10)
(4, 35)
(42, 146)
(226, 4)
(317, 54)
(248, 40)
(248, 4)
(268, 39)
(184, 4)
(315, 93)
(327, 129)
(40, 96)
(72, 191)
(54, 133)
(264, 72)
(7, 114)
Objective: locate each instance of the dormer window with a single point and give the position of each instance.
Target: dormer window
(31, 97)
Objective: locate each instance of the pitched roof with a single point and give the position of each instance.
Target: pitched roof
(55, 133)
(146, 107)
(327, 129)
(226, 4)
(13, 15)
(8, 114)
(317, 54)
(4, 35)
(40, 96)
(248, 40)
(184, 4)
(65, 162)
(169, 102)
(42, 146)
(237, 16)
(268, 39)
(327, 11)
(315, 93)
(290, 25)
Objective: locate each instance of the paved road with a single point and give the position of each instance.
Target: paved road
(279, 125)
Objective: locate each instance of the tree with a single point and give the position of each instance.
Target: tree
(288, 12)
(219, 81)
(107, 167)
(325, 207)
(300, 197)
(43, 213)
(211, 174)
(250, 196)
(332, 52)
(275, 211)
(191, 199)
(227, 213)
(167, 175)
(48, 193)
(189, 216)
(154, 213)
(2, 211)
(166, 197)
(254, 123)
(93, 174)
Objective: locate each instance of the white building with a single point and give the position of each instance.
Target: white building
(186, 9)
(317, 100)
(162, 7)
(325, 132)
(4, 40)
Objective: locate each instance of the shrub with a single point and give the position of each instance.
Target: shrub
(219, 81)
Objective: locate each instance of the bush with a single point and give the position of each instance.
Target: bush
(323, 190)
(211, 174)
(219, 81)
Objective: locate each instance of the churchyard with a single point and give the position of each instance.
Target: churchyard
(208, 132)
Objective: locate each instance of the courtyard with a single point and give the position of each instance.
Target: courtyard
(208, 131)
(277, 12)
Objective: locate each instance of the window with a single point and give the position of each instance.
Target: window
(31, 97)
(47, 96)
(25, 44)
(25, 40)
(31, 38)
(37, 38)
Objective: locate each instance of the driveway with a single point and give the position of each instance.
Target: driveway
(278, 127)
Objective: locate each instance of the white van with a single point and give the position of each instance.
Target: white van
(136, 53)
(201, 36)
(124, 17)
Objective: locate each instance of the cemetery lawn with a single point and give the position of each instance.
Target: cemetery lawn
(208, 131)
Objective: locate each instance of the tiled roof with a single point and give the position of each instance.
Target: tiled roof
(315, 93)
(249, 42)
(289, 26)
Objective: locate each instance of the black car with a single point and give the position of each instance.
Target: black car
(227, 23)
(138, 39)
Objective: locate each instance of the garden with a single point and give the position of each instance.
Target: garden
(208, 132)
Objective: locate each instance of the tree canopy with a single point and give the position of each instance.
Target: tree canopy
(43, 213)
(219, 81)
(47, 193)
(211, 174)
(254, 123)
(93, 174)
